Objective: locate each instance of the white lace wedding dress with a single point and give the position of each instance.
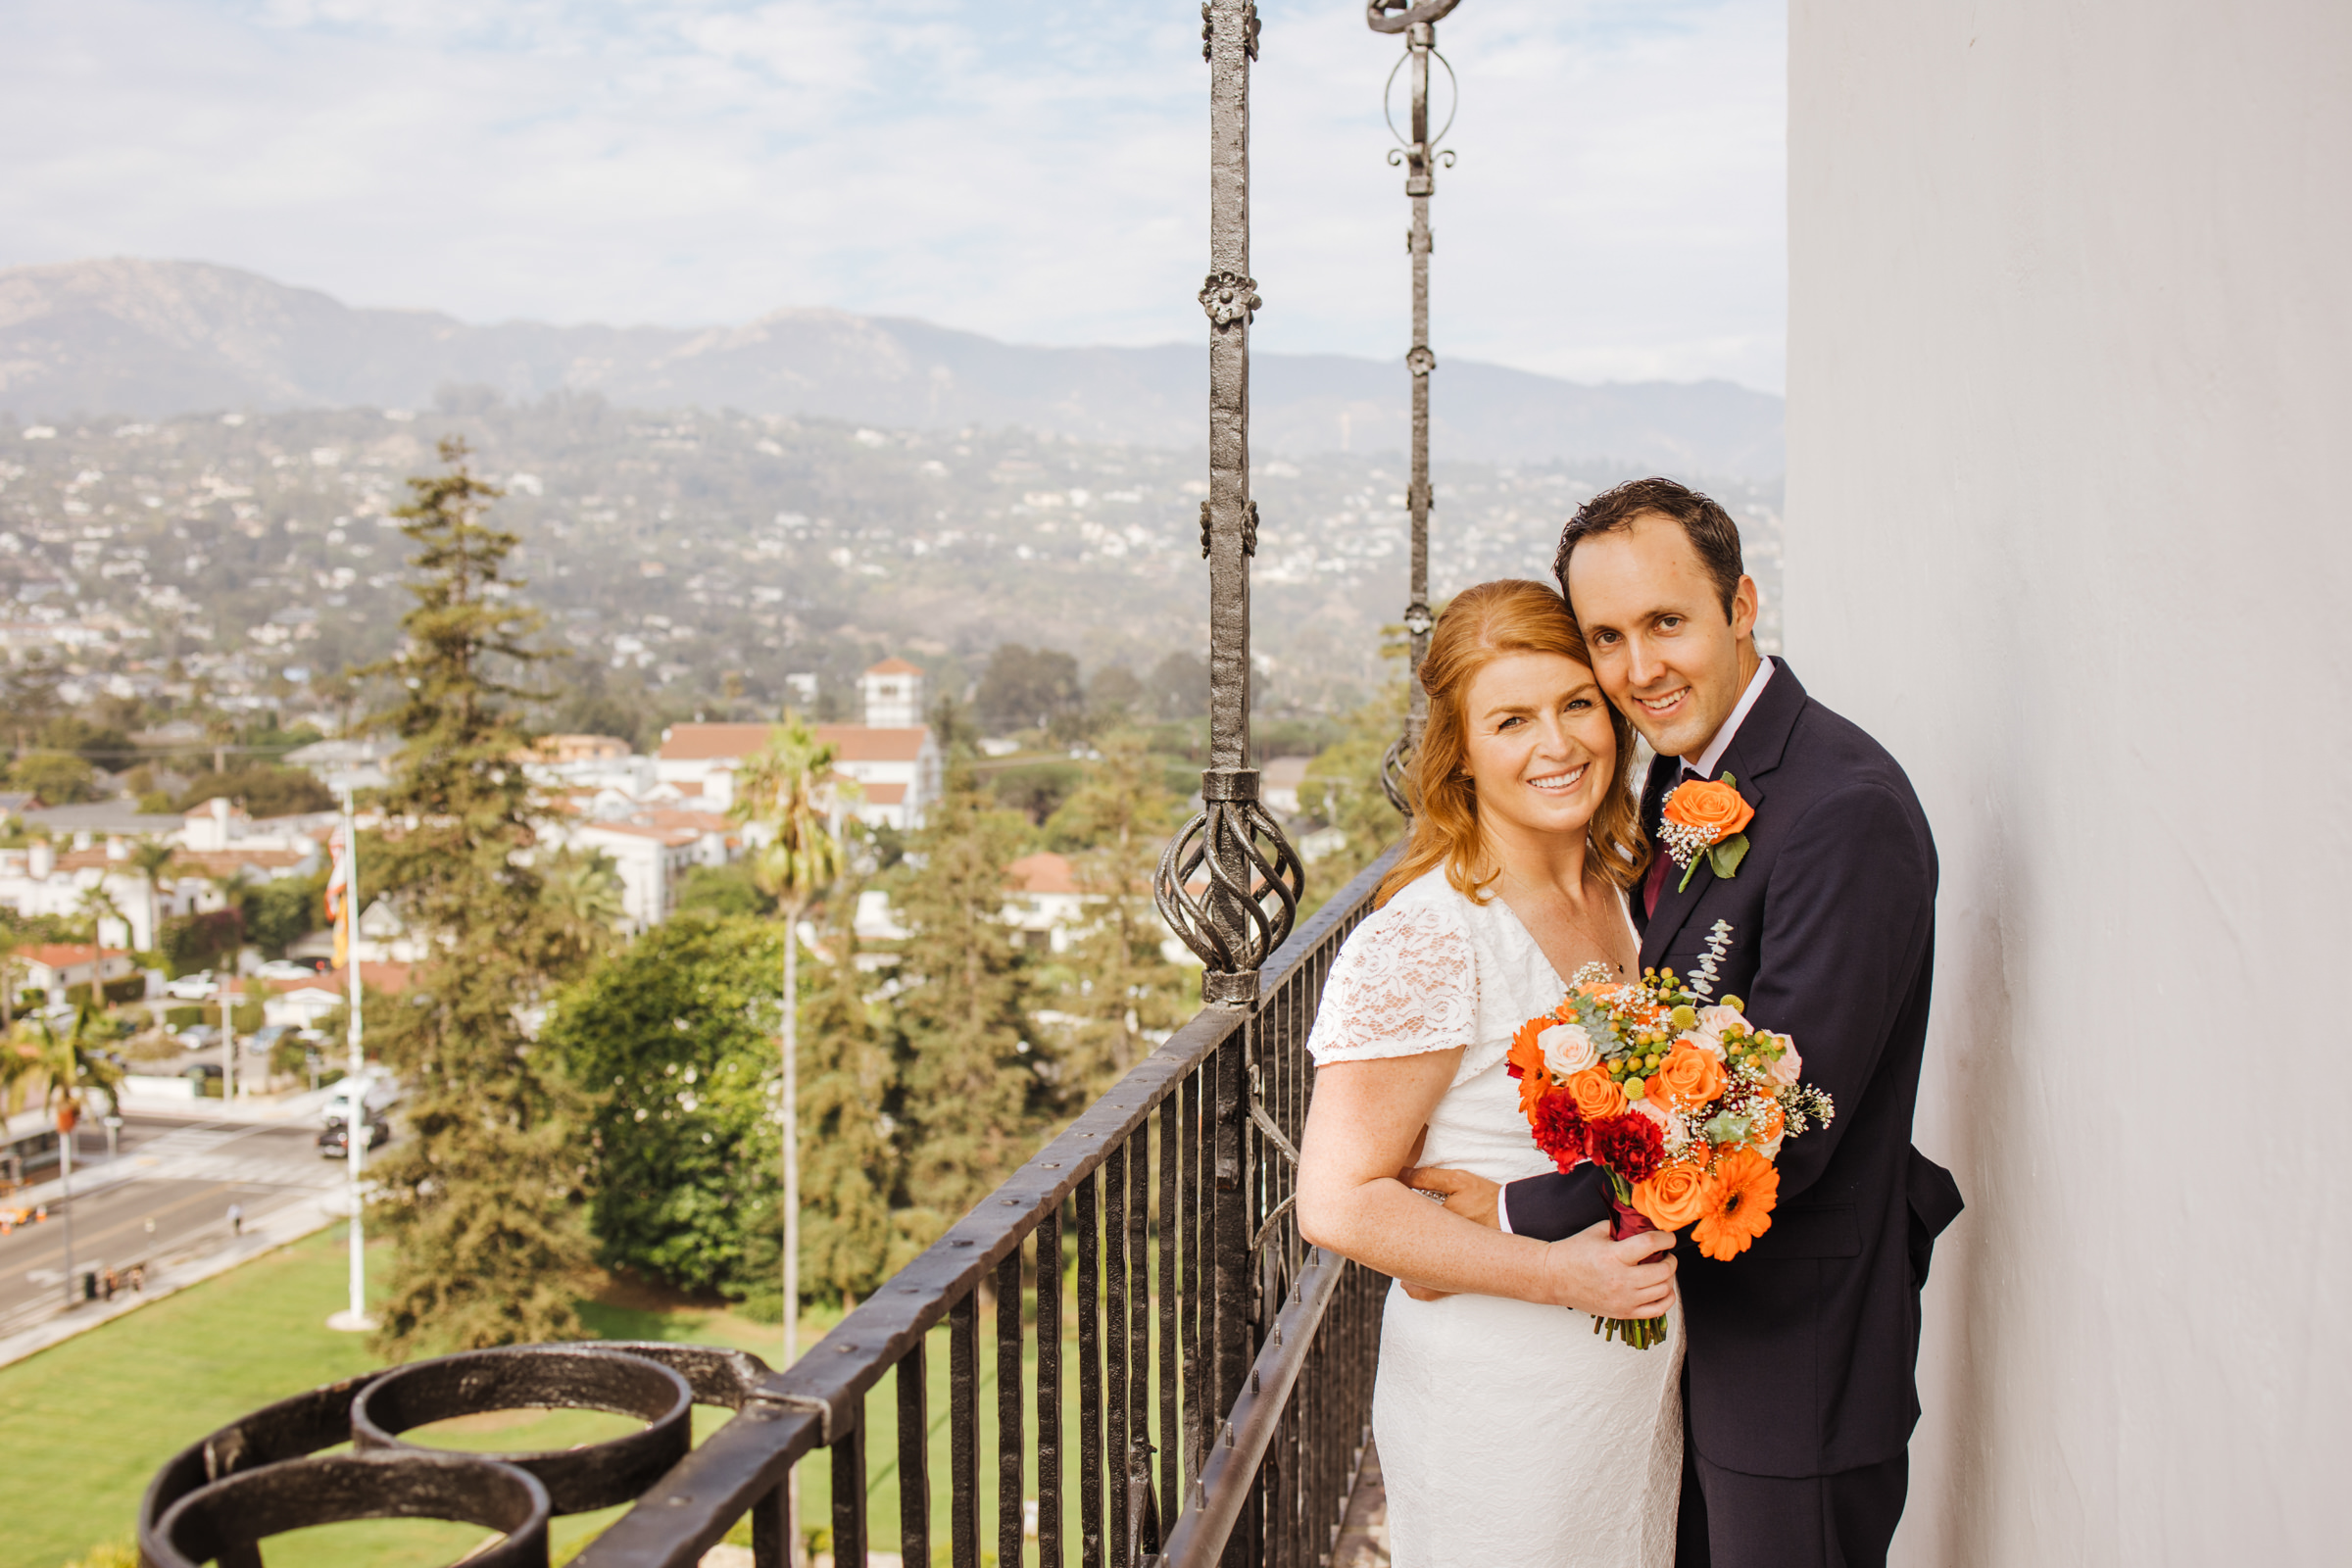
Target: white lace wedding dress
(1509, 1433)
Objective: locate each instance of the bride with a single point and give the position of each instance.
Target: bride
(1509, 1433)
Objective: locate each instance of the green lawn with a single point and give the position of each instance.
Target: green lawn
(84, 1425)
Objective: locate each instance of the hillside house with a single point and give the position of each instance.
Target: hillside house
(54, 967)
(892, 757)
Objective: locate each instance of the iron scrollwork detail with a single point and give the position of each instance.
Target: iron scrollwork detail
(1254, 881)
(1396, 15)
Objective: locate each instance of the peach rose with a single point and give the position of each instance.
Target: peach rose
(1710, 807)
(1789, 1064)
(1567, 1050)
(1688, 1076)
(1717, 1021)
(1676, 1196)
(1596, 1098)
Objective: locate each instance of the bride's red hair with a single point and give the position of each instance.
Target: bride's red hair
(1481, 625)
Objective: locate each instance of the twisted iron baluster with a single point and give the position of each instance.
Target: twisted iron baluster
(1419, 156)
(1251, 878)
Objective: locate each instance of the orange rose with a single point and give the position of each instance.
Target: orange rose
(1768, 1124)
(1710, 807)
(1689, 1077)
(1741, 1191)
(1597, 1097)
(1674, 1197)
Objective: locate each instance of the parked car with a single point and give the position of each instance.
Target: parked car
(334, 1139)
(381, 1092)
(200, 1037)
(201, 986)
(285, 969)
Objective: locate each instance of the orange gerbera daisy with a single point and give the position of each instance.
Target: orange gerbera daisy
(1745, 1186)
(1535, 1079)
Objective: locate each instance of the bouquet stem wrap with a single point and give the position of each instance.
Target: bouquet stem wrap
(1639, 1332)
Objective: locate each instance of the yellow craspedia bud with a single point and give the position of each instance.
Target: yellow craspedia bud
(1735, 1003)
(1684, 1018)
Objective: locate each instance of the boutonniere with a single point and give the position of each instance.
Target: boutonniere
(1705, 817)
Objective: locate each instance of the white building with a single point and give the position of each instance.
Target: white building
(892, 757)
(2070, 376)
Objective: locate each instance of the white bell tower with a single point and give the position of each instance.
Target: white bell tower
(894, 691)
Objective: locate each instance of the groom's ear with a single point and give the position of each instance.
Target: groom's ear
(1746, 600)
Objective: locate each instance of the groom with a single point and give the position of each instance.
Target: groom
(1799, 1394)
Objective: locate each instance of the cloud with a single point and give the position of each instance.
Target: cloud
(1034, 171)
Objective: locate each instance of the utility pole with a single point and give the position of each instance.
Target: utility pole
(69, 1111)
(344, 880)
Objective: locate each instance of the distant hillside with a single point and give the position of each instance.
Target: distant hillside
(158, 339)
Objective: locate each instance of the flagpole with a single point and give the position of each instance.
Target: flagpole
(354, 1125)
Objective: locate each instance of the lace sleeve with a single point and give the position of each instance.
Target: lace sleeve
(1405, 984)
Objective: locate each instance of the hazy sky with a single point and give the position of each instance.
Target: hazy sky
(1030, 169)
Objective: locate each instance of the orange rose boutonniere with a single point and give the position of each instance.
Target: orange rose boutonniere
(1705, 817)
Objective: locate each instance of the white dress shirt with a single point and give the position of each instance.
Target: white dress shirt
(1712, 758)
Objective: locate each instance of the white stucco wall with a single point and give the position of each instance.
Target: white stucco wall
(2068, 528)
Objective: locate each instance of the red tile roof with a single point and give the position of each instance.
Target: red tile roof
(66, 954)
(1042, 872)
(883, 794)
(852, 743)
(895, 666)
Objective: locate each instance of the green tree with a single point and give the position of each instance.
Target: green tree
(973, 1097)
(722, 890)
(485, 1204)
(1342, 788)
(282, 911)
(1028, 688)
(59, 778)
(263, 789)
(1118, 982)
(785, 792)
(850, 1240)
(671, 1038)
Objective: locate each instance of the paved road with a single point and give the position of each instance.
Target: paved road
(175, 1205)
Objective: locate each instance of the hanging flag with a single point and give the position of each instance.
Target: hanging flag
(338, 895)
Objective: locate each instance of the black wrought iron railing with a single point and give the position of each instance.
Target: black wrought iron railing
(1218, 1411)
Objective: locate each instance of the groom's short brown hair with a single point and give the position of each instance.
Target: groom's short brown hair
(1709, 528)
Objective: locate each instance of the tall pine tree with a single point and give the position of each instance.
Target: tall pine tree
(1117, 981)
(484, 1203)
(973, 1097)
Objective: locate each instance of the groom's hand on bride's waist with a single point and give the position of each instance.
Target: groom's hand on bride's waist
(1474, 1198)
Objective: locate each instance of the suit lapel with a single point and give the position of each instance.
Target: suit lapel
(1755, 753)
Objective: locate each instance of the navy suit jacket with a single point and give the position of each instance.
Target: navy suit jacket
(1803, 1349)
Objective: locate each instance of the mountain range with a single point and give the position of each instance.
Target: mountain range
(156, 339)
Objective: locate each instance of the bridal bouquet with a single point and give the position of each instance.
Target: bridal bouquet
(1681, 1101)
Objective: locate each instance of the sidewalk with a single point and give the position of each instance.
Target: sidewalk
(266, 1233)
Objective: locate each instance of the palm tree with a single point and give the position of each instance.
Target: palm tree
(149, 857)
(786, 791)
(71, 1060)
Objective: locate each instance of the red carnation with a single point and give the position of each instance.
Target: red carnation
(1559, 1130)
(1632, 1144)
